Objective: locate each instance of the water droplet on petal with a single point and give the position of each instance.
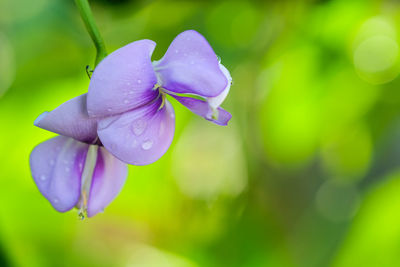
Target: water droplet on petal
(55, 200)
(172, 115)
(67, 169)
(128, 83)
(134, 144)
(126, 101)
(43, 177)
(162, 128)
(139, 81)
(192, 62)
(147, 144)
(219, 59)
(109, 109)
(139, 126)
(131, 92)
(176, 51)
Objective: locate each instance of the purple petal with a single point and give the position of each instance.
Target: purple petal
(123, 80)
(216, 101)
(190, 66)
(203, 109)
(140, 136)
(70, 119)
(56, 166)
(108, 178)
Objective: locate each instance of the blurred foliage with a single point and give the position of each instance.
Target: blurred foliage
(306, 173)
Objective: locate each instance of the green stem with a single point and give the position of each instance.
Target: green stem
(91, 27)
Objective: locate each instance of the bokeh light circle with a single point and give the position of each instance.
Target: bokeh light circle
(337, 201)
(376, 51)
(376, 54)
(208, 162)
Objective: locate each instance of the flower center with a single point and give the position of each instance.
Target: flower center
(161, 93)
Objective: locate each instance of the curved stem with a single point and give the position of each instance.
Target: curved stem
(91, 27)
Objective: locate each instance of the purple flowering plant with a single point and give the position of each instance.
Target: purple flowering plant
(125, 118)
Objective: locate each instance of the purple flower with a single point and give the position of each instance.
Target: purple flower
(127, 94)
(125, 117)
(69, 170)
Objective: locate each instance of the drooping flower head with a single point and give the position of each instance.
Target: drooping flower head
(70, 170)
(127, 94)
(125, 117)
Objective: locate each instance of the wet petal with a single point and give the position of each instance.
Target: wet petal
(123, 80)
(70, 119)
(202, 108)
(56, 166)
(190, 66)
(108, 178)
(140, 136)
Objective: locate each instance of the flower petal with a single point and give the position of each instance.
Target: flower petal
(216, 101)
(108, 178)
(123, 80)
(70, 119)
(190, 66)
(202, 108)
(140, 136)
(56, 166)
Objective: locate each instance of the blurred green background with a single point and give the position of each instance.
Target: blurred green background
(306, 174)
